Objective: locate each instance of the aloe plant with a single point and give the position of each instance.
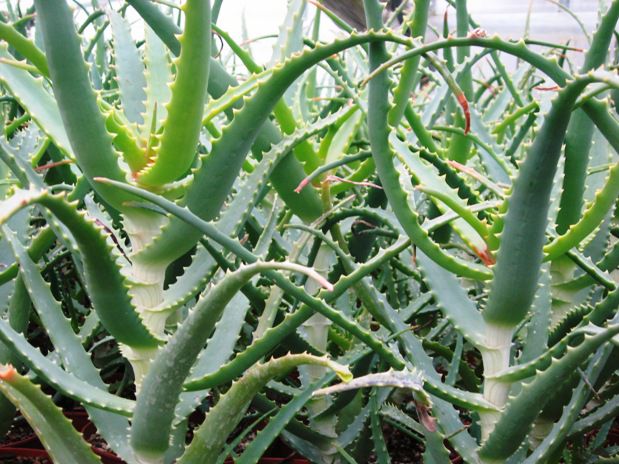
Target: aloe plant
(332, 211)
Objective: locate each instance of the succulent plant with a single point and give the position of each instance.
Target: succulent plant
(370, 208)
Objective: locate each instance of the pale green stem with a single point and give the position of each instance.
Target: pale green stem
(496, 359)
(316, 330)
(147, 285)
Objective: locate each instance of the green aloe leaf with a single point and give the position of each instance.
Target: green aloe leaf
(380, 447)
(32, 95)
(55, 431)
(560, 429)
(520, 411)
(217, 172)
(306, 205)
(276, 425)
(453, 301)
(91, 389)
(177, 147)
(129, 69)
(238, 210)
(382, 152)
(158, 74)
(77, 102)
(223, 417)
(580, 132)
(65, 382)
(312, 304)
(472, 230)
(108, 287)
(24, 46)
(219, 348)
(520, 254)
(159, 395)
(592, 217)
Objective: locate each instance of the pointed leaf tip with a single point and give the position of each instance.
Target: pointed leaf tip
(8, 372)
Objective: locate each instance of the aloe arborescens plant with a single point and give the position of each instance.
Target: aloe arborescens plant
(470, 239)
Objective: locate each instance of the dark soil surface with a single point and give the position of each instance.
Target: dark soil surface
(403, 448)
(19, 432)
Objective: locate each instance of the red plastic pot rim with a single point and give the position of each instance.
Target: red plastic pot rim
(23, 452)
(26, 442)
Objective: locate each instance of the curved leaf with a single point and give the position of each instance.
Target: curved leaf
(177, 147)
(55, 431)
(83, 122)
(108, 287)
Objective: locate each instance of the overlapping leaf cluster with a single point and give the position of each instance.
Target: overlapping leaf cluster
(184, 229)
